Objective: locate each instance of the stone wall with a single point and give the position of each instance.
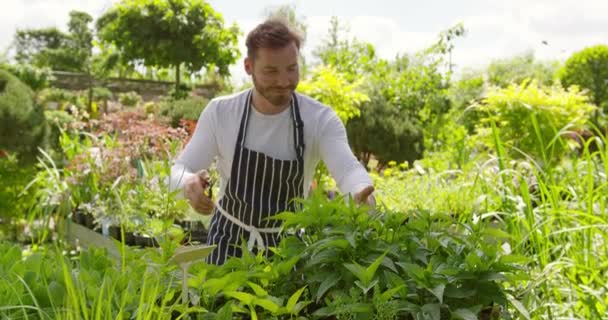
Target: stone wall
(147, 89)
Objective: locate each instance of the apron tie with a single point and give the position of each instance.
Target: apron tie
(255, 234)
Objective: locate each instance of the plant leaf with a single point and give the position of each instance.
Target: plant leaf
(438, 292)
(519, 306)
(464, 314)
(291, 303)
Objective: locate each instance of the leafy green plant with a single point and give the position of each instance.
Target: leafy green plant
(333, 89)
(587, 69)
(188, 109)
(22, 123)
(532, 119)
(129, 99)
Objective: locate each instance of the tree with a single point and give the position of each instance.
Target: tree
(588, 69)
(515, 70)
(170, 33)
(55, 49)
(382, 130)
(352, 58)
(288, 14)
(331, 88)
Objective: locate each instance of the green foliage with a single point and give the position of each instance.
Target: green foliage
(129, 99)
(170, 34)
(101, 94)
(62, 98)
(57, 121)
(351, 263)
(36, 78)
(15, 200)
(515, 70)
(351, 58)
(385, 132)
(531, 118)
(465, 92)
(55, 49)
(333, 89)
(588, 69)
(22, 123)
(187, 109)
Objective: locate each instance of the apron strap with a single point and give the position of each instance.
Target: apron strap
(298, 126)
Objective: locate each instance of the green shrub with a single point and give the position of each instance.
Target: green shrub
(22, 124)
(57, 120)
(385, 132)
(188, 109)
(61, 97)
(129, 99)
(102, 94)
(531, 118)
(36, 78)
(588, 69)
(14, 200)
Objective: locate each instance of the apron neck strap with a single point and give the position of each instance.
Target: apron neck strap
(298, 125)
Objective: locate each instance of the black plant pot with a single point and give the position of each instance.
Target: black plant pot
(145, 240)
(89, 221)
(115, 233)
(79, 216)
(195, 232)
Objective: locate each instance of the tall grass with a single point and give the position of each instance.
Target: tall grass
(554, 211)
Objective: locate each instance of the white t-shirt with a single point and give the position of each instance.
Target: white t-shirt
(324, 137)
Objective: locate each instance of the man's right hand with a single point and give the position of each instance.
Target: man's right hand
(194, 191)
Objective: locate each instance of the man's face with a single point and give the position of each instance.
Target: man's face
(275, 73)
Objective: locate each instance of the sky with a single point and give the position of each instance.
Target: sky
(494, 28)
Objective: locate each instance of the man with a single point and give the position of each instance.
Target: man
(268, 141)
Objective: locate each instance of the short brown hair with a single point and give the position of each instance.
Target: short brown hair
(274, 34)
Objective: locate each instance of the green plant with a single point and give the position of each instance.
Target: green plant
(60, 97)
(385, 132)
(129, 99)
(532, 118)
(15, 200)
(36, 78)
(171, 34)
(587, 69)
(22, 123)
(188, 109)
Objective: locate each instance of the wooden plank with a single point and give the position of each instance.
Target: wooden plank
(84, 237)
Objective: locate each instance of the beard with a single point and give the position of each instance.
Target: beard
(278, 96)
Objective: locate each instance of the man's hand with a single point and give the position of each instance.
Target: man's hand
(194, 191)
(365, 196)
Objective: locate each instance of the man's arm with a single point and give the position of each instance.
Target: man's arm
(200, 150)
(350, 175)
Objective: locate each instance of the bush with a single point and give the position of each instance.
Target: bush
(14, 201)
(22, 124)
(102, 94)
(36, 78)
(61, 97)
(529, 117)
(188, 109)
(57, 120)
(129, 99)
(385, 132)
(588, 69)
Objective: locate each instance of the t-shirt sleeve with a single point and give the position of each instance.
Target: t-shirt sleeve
(199, 152)
(351, 177)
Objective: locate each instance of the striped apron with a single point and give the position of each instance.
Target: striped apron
(259, 187)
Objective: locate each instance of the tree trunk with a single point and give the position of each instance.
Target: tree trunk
(176, 79)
